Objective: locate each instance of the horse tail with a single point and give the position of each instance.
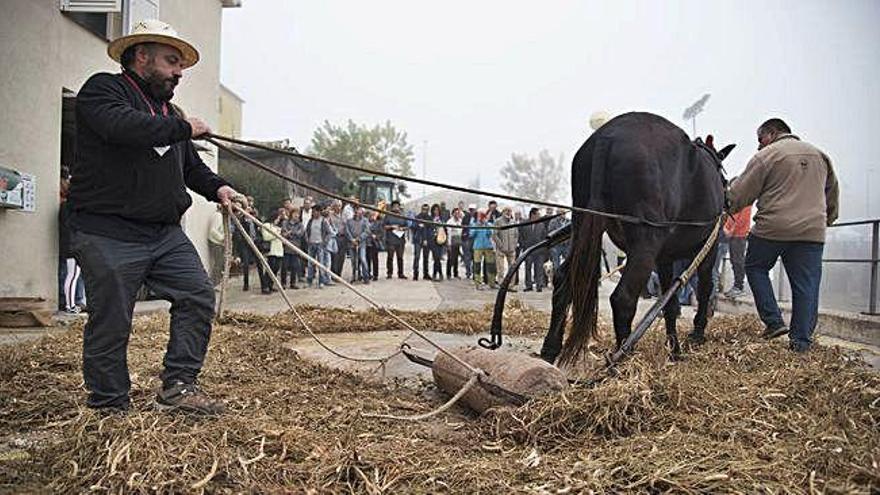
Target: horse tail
(559, 314)
(583, 277)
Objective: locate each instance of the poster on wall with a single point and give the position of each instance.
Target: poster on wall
(10, 189)
(18, 191)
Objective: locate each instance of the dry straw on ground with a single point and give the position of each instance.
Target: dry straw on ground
(739, 415)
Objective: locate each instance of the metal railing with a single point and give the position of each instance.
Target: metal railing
(874, 261)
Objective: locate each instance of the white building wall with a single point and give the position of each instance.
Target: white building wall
(42, 51)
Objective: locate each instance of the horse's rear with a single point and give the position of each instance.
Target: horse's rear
(641, 166)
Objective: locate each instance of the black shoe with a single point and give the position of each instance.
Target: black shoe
(427, 277)
(245, 288)
(540, 289)
(402, 277)
(415, 278)
(112, 410)
(188, 397)
(798, 348)
(389, 276)
(772, 333)
(696, 338)
(527, 289)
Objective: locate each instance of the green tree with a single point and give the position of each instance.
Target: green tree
(382, 148)
(540, 178)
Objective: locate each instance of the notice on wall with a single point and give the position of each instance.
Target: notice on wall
(29, 192)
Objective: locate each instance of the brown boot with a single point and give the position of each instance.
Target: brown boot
(188, 397)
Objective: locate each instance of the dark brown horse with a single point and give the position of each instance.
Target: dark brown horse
(667, 191)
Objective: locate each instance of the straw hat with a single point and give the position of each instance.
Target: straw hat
(153, 31)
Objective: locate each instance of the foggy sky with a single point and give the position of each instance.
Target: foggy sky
(480, 80)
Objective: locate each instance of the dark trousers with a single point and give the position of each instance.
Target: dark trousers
(452, 260)
(275, 263)
(420, 252)
(535, 270)
(338, 258)
(737, 250)
(289, 268)
(265, 280)
(115, 271)
(467, 256)
(803, 265)
(436, 258)
(373, 261)
(247, 259)
(394, 251)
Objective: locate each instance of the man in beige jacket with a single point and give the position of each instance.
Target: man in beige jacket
(505, 245)
(797, 194)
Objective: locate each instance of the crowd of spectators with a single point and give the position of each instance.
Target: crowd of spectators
(444, 243)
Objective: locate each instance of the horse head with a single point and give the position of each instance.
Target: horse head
(709, 145)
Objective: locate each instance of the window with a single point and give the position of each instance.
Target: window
(98, 16)
(92, 6)
(110, 19)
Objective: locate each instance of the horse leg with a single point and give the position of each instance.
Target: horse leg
(561, 302)
(705, 293)
(625, 297)
(671, 310)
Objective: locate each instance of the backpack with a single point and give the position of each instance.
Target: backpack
(441, 238)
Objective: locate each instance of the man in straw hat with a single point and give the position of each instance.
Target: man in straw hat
(135, 160)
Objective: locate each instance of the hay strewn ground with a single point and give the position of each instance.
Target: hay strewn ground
(740, 415)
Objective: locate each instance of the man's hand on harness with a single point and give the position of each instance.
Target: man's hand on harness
(226, 195)
(199, 127)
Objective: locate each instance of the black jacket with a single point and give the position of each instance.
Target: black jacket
(466, 220)
(125, 185)
(422, 232)
(529, 235)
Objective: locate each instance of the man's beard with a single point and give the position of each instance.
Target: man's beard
(162, 88)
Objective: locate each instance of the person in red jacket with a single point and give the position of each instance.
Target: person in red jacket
(736, 228)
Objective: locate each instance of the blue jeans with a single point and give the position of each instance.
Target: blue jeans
(803, 265)
(684, 293)
(467, 256)
(316, 251)
(420, 252)
(556, 256)
(359, 261)
(723, 249)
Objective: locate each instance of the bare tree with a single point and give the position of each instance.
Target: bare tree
(541, 178)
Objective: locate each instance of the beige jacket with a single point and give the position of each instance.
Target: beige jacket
(796, 189)
(505, 240)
